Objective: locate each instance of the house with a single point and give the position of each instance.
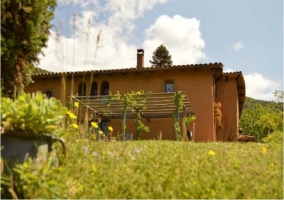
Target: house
(203, 84)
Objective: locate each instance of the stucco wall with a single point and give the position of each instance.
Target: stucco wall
(228, 96)
(197, 83)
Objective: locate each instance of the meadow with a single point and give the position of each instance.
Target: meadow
(158, 169)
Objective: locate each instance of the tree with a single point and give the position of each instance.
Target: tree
(161, 57)
(259, 121)
(24, 32)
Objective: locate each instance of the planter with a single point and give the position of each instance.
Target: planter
(18, 146)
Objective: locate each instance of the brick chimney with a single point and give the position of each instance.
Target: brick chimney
(140, 58)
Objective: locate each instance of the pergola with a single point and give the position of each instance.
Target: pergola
(158, 105)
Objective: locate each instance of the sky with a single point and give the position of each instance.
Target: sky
(244, 35)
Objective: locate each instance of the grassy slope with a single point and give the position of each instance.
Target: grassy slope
(165, 169)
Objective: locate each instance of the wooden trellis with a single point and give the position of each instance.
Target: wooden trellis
(158, 105)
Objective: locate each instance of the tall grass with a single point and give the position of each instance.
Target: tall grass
(161, 169)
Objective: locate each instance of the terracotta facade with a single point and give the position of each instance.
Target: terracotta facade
(203, 84)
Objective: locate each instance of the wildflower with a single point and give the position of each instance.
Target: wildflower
(136, 151)
(110, 128)
(71, 115)
(75, 126)
(101, 132)
(211, 153)
(85, 149)
(263, 150)
(93, 136)
(271, 166)
(94, 168)
(95, 153)
(76, 104)
(94, 124)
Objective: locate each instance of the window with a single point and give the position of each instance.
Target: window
(169, 87)
(103, 126)
(49, 93)
(105, 88)
(94, 89)
(82, 89)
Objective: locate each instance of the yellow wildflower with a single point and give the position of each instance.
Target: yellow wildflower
(76, 104)
(101, 132)
(94, 124)
(211, 153)
(75, 126)
(110, 128)
(71, 115)
(272, 166)
(94, 168)
(263, 150)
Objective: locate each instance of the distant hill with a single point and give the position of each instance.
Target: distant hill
(37, 70)
(250, 103)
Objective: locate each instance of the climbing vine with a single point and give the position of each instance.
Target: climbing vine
(178, 100)
(136, 101)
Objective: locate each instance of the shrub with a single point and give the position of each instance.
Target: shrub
(275, 139)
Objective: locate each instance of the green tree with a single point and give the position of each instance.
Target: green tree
(261, 120)
(25, 28)
(161, 57)
(279, 94)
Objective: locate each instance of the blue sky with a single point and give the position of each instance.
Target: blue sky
(245, 35)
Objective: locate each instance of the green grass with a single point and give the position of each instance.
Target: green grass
(160, 169)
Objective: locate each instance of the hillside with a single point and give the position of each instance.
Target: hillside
(250, 103)
(38, 70)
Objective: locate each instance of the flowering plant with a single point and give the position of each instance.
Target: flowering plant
(110, 131)
(34, 113)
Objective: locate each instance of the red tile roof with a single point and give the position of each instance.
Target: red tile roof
(134, 69)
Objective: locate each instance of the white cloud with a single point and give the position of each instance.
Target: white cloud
(228, 70)
(115, 50)
(238, 46)
(259, 87)
(180, 35)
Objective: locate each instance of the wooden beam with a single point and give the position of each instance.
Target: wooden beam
(237, 77)
(142, 114)
(217, 79)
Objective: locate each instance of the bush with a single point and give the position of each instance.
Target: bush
(275, 139)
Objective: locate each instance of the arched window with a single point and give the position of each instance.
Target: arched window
(82, 89)
(104, 88)
(94, 89)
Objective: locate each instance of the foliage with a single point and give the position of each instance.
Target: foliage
(274, 140)
(250, 103)
(135, 101)
(188, 119)
(178, 101)
(37, 70)
(24, 32)
(259, 118)
(149, 170)
(31, 112)
(161, 57)
(279, 94)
